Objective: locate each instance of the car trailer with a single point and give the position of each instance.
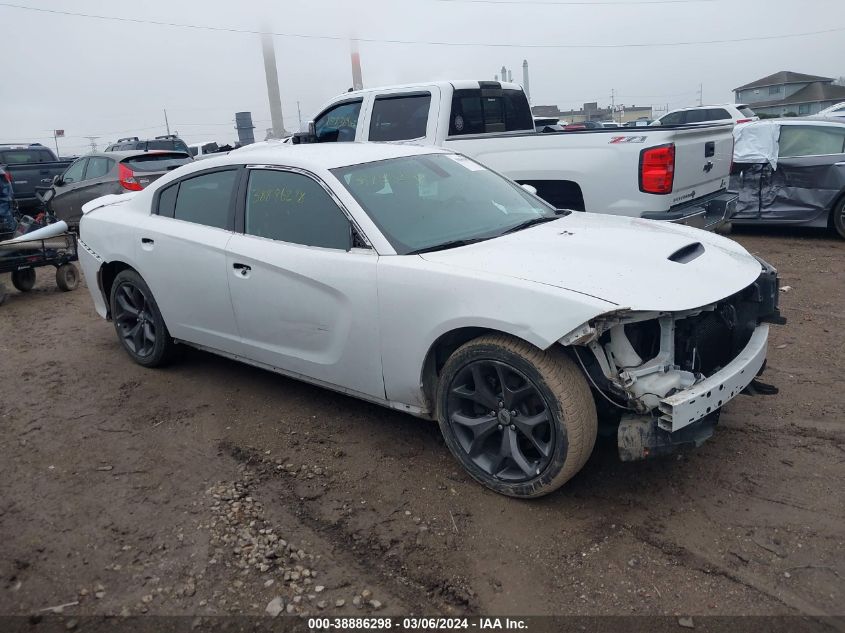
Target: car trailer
(21, 258)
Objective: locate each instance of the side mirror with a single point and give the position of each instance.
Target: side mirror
(57, 181)
(530, 189)
(312, 128)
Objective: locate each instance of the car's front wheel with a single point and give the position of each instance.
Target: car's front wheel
(520, 420)
(138, 322)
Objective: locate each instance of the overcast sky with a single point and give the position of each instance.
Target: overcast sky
(110, 78)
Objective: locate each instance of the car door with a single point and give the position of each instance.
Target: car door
(98, 181)
(181, 254)
(339, 122)
(809, 176)
(65, 202)
(303, 291)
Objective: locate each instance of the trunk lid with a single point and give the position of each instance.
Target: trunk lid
(150, 166)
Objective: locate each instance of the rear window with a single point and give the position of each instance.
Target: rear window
(717, 114)
(164, 144)
(746, 111)
(157, 162)
(484, 110)
(808, 140)
(22, 156)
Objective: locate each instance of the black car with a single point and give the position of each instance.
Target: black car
(168, 142)
(7, 216)
(101, 173)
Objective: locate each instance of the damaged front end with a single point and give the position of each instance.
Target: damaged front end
(667, 374)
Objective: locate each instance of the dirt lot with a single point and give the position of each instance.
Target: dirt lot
(212, 488)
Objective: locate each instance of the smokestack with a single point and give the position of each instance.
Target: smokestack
(357, 81)
(504, 74)
(244, 126)
(510, 76)
(525, 85)
(272, 75)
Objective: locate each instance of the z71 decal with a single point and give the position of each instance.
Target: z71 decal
(627, 139)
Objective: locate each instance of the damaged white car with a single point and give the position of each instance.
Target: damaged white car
(419, 279)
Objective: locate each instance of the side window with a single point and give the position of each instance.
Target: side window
(339, 123)
(696, 116)
(675, 118)
(717, 114)
(75, 171)
(98, 167)
(808, 140)
(206, 199)
(292, 207)
(193, 151)
(167, 201)
(399, 118)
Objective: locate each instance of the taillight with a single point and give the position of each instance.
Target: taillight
(738, 121)
(8, 177)
(657, 169)
(127, 178)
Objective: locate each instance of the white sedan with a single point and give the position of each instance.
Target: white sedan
(419, 279)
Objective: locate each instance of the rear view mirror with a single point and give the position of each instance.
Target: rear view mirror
(57, 181)
(530, 189)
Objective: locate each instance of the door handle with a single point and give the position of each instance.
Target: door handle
(243, 268)
(147, 240)
(709, 149)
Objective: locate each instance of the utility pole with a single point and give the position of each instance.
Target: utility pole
(166, 124)
(612, 104)
(299, 115)
(700, 95)
(92, 140)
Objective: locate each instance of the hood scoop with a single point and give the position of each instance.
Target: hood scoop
(686, 254)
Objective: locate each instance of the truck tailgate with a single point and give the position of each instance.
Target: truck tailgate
(703, 157)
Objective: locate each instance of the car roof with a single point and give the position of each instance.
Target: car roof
(323, 155)
(123, 154)
(457, 84)
(711, 105)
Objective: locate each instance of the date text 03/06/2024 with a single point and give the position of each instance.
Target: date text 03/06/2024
(416, 623)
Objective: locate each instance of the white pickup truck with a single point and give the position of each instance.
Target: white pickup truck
(674, 173)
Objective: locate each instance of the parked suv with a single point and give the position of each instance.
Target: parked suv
(735, 112)
(168, 142)
(101, 173)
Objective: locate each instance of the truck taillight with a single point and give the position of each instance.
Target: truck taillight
(657, 169)
(127, 178)
(8, 176)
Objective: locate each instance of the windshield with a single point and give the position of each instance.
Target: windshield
(421, 202)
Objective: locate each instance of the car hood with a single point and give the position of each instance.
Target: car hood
(633, 263)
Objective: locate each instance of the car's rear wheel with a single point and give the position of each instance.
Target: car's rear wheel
(24, 280)
(138, 322)
(520, 420)
(838, 217)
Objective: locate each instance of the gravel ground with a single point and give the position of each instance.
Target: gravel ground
(211, 487)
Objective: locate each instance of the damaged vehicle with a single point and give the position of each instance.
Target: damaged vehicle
(790, 172)
(419, 279)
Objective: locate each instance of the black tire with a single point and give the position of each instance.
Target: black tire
(837, 218)
(67, 277)
(545, 444)
(138, 322)
(24, 280)
(3, 294)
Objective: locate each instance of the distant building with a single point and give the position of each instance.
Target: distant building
(789, 92)
(592, 112)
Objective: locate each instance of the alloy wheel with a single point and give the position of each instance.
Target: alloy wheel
(501, 421)
(135, 320)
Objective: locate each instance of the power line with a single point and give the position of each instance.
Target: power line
(426, 42)
(577, 3)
